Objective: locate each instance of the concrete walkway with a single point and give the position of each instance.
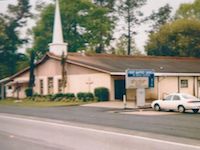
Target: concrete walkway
(115, 104)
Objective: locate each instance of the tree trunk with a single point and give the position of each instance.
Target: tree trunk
(129, 33)
(32, 66)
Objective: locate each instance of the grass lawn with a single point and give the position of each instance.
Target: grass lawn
(30, 103)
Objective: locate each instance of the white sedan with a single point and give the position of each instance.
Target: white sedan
(177, 101)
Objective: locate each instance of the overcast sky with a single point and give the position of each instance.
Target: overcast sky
(154, 5)
(151, 5)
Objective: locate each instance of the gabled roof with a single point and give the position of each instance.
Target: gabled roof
(42, 60)
(5, 80)
(114, 64)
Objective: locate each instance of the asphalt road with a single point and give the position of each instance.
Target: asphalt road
(20, 132)
(186, 126)
(9, 141)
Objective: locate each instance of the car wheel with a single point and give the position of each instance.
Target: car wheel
(195, 110)
(156, 107)
(181, 109)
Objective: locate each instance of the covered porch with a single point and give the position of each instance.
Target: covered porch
(16, 88)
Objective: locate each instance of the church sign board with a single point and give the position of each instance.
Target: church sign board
(137, 78)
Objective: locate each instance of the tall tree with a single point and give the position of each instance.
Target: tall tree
(160, 17)
(121, 46)
(9, 35)
(32, 75)
(82, 23)
(98, 29)
(64, 72)
(188, 10)
(106, 3)
(109, 8)
(178, 38)
(130, 10)
(3, 54)
(32, 66)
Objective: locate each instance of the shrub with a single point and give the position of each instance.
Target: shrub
(70, 96)
(37, 95)
(61, 96)
(34, 97)
(40, 99)
(101, 93)
(29, 92)
(80, 95)
(49, 97)
(57, 97)
(89, 96)
(85, 96)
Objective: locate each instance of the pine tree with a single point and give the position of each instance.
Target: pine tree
(129, 9)
(31, 75)
(10, 40)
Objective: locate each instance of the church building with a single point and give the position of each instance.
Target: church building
(85, 72)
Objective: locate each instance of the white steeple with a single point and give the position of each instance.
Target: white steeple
(58, 47)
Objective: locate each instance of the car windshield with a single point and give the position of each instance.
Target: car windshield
(185, 96)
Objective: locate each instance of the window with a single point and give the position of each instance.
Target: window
(198, 83)
(184, 83)
(41, 87)
(168, 98)
(50, 85)
(176, 97)
(59, 86)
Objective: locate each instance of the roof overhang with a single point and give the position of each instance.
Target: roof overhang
(161, 74)
(78, 63)
(87, 66)
(27, 68)
(5, 80)
(177, 74)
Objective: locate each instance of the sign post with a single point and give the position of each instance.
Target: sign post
(124, 101)
(140, 97)
(139, 80)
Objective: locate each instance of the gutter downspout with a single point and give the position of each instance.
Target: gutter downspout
(178, 84)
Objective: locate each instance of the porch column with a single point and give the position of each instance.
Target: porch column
(158, 87)
(2, 91)
(178, 84)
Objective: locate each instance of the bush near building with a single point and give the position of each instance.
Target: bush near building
(29, 92)
(53, 97)
(101, 93)
(61, 96)
(81, 96)
(88, 96)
